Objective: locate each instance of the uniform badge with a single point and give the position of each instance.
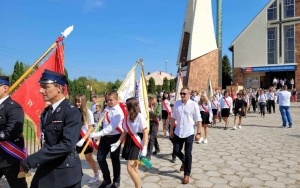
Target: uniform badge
(58, 109)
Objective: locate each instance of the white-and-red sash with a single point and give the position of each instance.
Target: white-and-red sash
(136, 139)
(92, 144)
(226, 102)
(166, 107)
(119, 129)
(203, 107)
(214, 104)
(13, 150)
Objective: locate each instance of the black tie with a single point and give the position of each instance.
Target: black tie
(49, 111)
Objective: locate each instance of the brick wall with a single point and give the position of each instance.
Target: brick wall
(238, 76)
(297, 8)
(198, 70)
(297, 54)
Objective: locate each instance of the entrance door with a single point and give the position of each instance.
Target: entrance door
(263, 82)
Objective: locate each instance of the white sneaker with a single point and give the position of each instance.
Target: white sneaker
(240, 126)
(234, 127)
(94, 179)
(200, 140)
(167, 133)
(205, 141)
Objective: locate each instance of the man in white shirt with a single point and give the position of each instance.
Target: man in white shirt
(284, 107)
(186, 113)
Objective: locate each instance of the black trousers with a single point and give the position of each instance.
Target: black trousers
(11, 174)
(186, 158)
(152, 138)
(271, 103)
(103, 150)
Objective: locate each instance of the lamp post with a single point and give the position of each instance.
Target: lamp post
(90, 89)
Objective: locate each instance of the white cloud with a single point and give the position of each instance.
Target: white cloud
(92, 5)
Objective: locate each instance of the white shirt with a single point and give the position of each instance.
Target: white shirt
(186, 115)
(3, 99)
(168, 103)
(112, 120)
(262, 98)
(227, 103)
(206, 108)
(85, 128)
(215, 104)
(284, 98)
(137, 126)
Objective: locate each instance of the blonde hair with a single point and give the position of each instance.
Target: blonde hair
(83, 109)
(204, 99)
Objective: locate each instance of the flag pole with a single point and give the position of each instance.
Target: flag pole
(64, 34)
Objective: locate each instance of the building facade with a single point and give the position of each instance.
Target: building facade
(198, 53)
(269, 47)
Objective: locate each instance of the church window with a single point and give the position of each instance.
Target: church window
(272, 45)
(289, 44)
(289, 6)
(272, 12)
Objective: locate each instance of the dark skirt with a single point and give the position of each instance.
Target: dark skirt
(164, 114)
(88, 150)
(225, 112)
(205, 117)
(215, 112)
(239, 113)
(131, 151)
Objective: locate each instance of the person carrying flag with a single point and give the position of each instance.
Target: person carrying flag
(57, 162)
(11, 137)
(111, 132)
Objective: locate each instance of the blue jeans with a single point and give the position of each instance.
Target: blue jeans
(285, 115)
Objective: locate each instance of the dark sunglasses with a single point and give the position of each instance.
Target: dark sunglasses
(182, 93)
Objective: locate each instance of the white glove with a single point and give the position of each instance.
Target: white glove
(96, 135)
(80, 143)
(144, 151)
(115, 146)
(210, 120)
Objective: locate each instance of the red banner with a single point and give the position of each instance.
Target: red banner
(28, 95)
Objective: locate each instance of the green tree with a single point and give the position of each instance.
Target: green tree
(151, 86)
(226, 72)
(159, 88)
(166, 85)
(172, 84)
(16, 73)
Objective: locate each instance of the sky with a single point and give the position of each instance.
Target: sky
(109, 36)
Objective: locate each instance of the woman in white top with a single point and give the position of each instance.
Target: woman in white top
(166, 112)
(226, 108)
(262, 101)
(206, 115)
(136, 133)
(86, 129)
(215, 106)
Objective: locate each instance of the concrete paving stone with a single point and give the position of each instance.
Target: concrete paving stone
(151, 179)
(250, 165)
(270, 160)
(277, 173)
(150, 185)
(244, 174)
(213, 173)
(245, 160)
(221, 186)
(290, 162)
(232, 178)
(261, 162)
(170, 183)
(254, 157)
(239, 184)
(252, 181)
(265, 177)
(238, 168)
(279, 165)
(203, 183)
(288, 170)
(286, 180)
(217, 160)
(257, 170)
(274, 184)
(218, 180)
(295, 176)
(224, 153)
(209, 167)
(227, 171)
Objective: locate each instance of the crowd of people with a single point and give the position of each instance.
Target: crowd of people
(70, 129)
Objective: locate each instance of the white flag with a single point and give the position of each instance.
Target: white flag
(143, 97)
(127, 88)
(179, 86)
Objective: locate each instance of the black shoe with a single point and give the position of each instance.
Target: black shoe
(173, 160)
(225, 128)
(115, 185)
(156, 152)
(104, 184)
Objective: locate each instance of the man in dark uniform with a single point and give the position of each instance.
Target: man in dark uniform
(11, 129)
(58, 165)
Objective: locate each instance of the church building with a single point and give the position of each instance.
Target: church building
(269, 47)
